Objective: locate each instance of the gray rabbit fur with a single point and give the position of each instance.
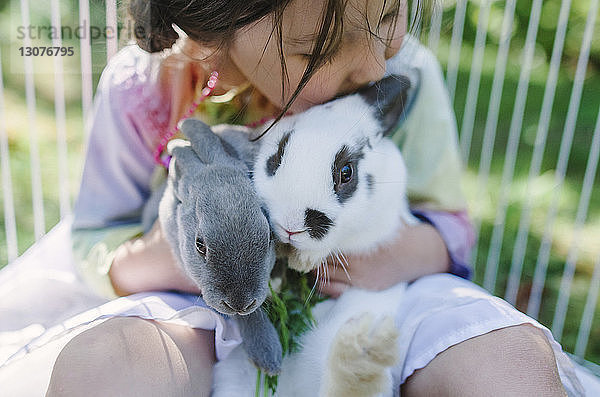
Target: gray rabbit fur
(218, 231)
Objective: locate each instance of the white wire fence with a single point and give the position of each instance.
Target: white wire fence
(537, 248)
(529, 120)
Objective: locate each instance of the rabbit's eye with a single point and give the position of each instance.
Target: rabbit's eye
(200, 246)
(346, 173)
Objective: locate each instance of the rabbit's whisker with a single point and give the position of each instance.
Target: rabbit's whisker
(267, 308)
(335, 263)
(323, 280)
(355, 125)
(339, 261)
(344, 258)
(345, 265)
(312, 291)
(332, 254)
(326, 271)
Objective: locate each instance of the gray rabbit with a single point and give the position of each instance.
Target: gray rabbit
(219, 233)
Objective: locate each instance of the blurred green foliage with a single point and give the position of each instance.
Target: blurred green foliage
(578, 14)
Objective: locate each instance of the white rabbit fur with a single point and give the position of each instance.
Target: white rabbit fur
(348, 354)
(296, 173)
(375, 210)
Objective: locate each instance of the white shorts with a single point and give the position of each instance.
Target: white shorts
(442, 310)
(437, 312)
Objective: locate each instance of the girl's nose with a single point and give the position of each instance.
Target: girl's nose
(370, 64)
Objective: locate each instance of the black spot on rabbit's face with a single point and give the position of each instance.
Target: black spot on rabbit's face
(317, 223)
(274, 161)
(389, 96)
(345, 172)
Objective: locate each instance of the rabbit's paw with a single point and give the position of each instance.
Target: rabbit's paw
(264, 349)
(361, 353)
(301, 263)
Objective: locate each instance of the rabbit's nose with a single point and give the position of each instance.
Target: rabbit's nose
(290, 234)
(241, 309)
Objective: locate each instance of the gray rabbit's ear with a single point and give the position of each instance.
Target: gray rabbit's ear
(391, 98)
(172, 144)
(207, 145)
(185, 162)
(237, 143)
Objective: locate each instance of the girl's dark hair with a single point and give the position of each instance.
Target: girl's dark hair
(204, 21)
(215, 22)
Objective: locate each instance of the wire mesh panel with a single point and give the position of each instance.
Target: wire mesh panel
(36, 182)
(526, 90)
(60, 112)
(536, 161)
(524, 78)
(10, 225)
(44, 99)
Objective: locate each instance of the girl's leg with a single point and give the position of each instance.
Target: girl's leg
(127, 356)
(512, 361)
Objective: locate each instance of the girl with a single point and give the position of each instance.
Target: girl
(274, 57)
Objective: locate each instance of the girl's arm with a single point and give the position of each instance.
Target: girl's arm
(418, 250)
(457, 232)
(147, 264)
(128, 115)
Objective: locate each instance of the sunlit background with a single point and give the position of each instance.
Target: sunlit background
(490, 28)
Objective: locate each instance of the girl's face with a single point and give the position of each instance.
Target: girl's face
(359, 59)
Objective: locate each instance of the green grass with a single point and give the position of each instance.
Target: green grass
(18, 132)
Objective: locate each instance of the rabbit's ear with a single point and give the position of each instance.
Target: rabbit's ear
(207, 145)
(185, 162)
(237, 143)
(391, 98)
(172, 144)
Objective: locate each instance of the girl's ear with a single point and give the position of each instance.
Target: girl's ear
(390, 98)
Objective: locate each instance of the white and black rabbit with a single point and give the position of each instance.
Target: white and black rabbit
(334, 183)
(331, 180)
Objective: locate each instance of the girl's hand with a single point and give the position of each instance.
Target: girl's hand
(148, 264)
(416, 251)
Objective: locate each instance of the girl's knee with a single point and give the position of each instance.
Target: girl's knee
(118, 343)
(125, 354)
(525, 345)
(110, 339)
(516, 360)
